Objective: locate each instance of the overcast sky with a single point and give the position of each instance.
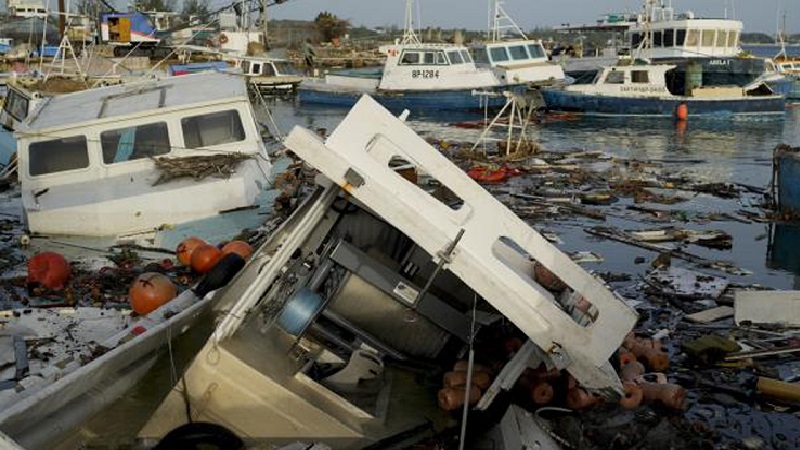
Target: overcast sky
(757, 15)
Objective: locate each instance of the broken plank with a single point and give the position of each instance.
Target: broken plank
(711, 315)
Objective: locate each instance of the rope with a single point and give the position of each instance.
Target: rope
(470, 366)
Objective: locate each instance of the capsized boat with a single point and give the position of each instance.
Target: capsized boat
(416, 76)
(131, 158)
(641, 90)
(338, 328)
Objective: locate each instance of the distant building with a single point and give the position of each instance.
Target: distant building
(25, 9)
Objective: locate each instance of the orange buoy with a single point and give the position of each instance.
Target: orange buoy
(459, 378)
(241, 248)
(579, 398)
(185, 249)
(682, 111)
(149, 291)
(632, 395)
(453, 398)
(48, 269)
(205, 257)
(542, 392)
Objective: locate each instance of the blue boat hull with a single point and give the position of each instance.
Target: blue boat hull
(783, 87)
(460, 99)
(787, 166)
(560, 100)
(794, 93)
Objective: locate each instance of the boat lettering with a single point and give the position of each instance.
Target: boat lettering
(719, 62)
(425, 73)
(640, 88)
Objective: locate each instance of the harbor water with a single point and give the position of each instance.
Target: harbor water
(719, 151)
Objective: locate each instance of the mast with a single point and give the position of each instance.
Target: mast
(501, 21)
(264, 23)
(409, 35)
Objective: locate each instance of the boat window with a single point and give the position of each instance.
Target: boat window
(692, 38)
(215, 128)
(680, 37)
(440, 58)
(636, 39)
(286, 68)
(256, 69)
(128, 144)
(58, 155)
(536, 50)
(669, 37)
(615, 77)
(518, 52)
(708, 38)
(409, 58)
(16, 105)
(268, 71)
(455, 57)
(639, 76)
(657, 38)
(246, 66)
(465, 55)
(499, 54)
(429, 57)
(733, 39)
(722, 38)
(479, 55)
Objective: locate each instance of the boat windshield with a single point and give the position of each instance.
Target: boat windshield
(536, 50)
(498, 54)
(479, 55)
(455, 57)
(518, 52)
(286, 68)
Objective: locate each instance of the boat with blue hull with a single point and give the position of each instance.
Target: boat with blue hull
(460, 99)
(417, 77)
(625, 106)
(704, 51)
(641, 90)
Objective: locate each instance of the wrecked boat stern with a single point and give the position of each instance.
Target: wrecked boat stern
(496, 252)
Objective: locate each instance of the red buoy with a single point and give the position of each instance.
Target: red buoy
(186, 248)
(682, 111)
(241, 248)
(149, 291)
(205, 257)
(48, 269)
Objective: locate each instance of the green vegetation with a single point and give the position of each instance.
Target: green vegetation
(330, 27)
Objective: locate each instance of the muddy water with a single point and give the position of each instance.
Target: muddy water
(736, 151)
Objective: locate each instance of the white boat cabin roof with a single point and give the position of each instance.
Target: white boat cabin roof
(111, 102)
(633, 75)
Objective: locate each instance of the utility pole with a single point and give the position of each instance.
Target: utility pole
(265, 24)
(62, 18)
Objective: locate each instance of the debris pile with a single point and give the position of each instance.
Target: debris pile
(198, 167)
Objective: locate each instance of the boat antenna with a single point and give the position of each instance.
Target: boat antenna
(781, 32)
(501, 21)
(409, 34)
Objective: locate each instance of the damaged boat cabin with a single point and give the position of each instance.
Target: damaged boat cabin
(341, 324)
(88, 161)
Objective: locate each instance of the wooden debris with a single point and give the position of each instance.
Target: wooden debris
(198, 167)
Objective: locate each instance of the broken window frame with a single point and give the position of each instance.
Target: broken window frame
(134, 152)
(238, 134)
